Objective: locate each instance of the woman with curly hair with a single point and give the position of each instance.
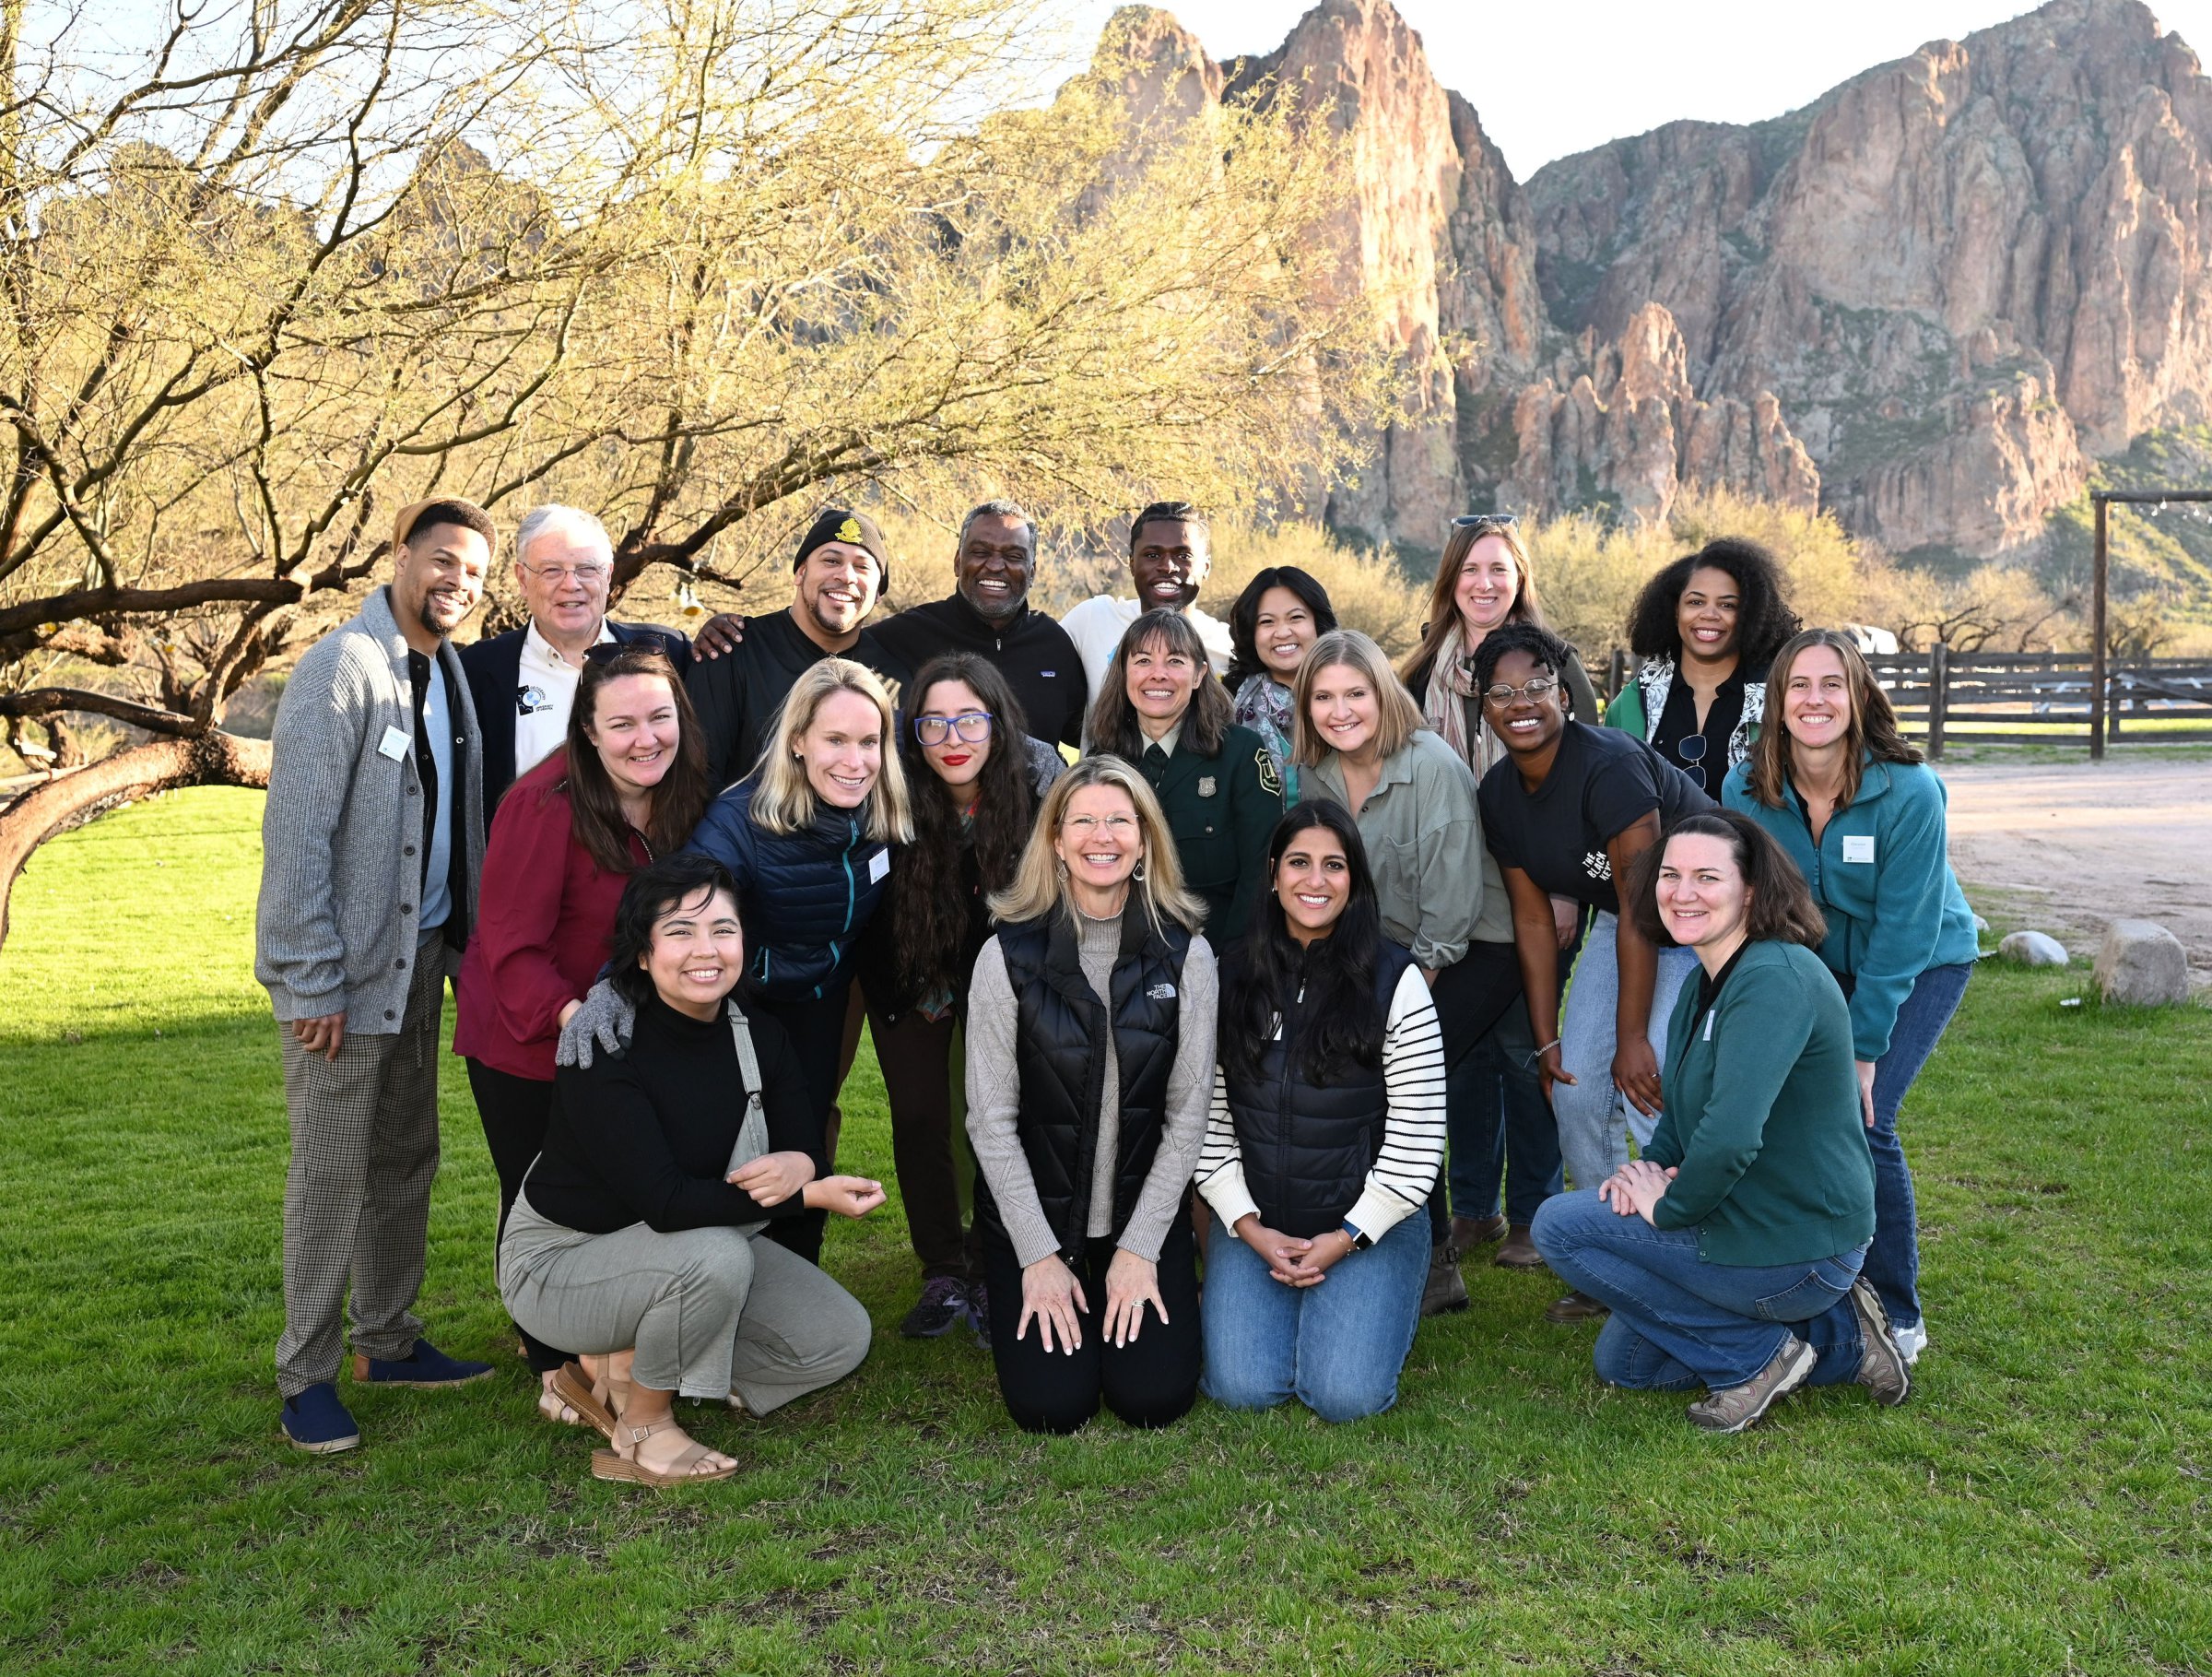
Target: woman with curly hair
(1706, 628)
(974, 776)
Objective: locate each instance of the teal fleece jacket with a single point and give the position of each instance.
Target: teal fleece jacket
(1882, 875)
(1761, 1117)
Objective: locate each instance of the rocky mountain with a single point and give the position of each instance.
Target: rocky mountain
(1928, 302)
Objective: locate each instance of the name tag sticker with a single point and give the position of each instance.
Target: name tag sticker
(1708, 1027)
(1858, 846)
(394, 744)
(878, 864)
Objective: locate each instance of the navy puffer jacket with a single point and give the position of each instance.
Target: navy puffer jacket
(804, 897)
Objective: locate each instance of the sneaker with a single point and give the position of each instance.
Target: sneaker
(944, 1301)
(1911, 1341)
(979, 1313)
(1519, 1251)
(426, 1366)
(1882, 1366)
(1578, 1307)
(1734, 1408)
(1446, 1288)
(314, 1420)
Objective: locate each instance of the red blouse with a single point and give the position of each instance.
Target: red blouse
(546, 913)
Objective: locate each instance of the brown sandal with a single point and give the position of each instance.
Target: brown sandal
(614, 1465)
(571, 1389)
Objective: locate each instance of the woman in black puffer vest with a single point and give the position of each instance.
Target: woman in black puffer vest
(1326, 1135)
(1090, 1048)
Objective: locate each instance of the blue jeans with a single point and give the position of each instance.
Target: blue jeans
(1595, 1118)
(1679, 1322)
(1496, 1112)
(1336, 1347)
(1893, 1264)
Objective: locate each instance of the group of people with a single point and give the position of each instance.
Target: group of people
(1269, 986)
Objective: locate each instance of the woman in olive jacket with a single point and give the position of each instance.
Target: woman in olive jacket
(1730, 1252)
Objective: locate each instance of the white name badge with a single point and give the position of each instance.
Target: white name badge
(878, 864)
(1858, 846)
(394, 744)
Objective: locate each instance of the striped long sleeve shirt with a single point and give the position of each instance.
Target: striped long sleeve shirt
(1412, 1130)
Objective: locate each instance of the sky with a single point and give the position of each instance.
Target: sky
(1560, 76)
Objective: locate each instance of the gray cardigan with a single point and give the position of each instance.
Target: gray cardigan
(340, 884)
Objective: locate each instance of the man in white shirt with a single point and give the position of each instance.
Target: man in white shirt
(1170, 550)
(524, 683)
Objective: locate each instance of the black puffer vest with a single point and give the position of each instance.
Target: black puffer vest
(1062, 1039)
(1307, 1150)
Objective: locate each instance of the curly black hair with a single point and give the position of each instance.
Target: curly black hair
(1763, 619)
(1545, 647)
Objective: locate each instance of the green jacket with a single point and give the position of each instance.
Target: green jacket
(1882, 876)
(1762, 1115)
(1221, 809)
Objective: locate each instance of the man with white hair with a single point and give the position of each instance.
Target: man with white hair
(524, 683)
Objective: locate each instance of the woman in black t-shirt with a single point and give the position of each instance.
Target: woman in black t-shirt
(1567, 812)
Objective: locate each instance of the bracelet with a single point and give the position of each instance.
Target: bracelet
(1547, 1048)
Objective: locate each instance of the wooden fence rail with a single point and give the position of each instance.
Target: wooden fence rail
(1981, 697)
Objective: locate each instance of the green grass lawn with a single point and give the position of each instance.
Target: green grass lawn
(2040, 1506)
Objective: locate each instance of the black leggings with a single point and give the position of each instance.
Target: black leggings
(816, 1029)
(1151, 1381)
(916, 1057)
(1471, 996)
(514, 1111)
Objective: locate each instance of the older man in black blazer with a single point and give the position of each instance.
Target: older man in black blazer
(522, 682)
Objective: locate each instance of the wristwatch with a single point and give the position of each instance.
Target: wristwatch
(1359, 1242)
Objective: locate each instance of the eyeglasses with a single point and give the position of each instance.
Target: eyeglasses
(589, 575)
(974, 726)
(644, 640)
(1486, 521)
(1083, 826)
(1691, 750)
(1534, 689)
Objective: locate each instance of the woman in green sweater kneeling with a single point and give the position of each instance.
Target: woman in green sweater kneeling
(1730, 1252)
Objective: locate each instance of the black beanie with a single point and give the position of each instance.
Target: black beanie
(855, 529)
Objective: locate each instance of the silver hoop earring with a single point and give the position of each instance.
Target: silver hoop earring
(1060, 866)
(1137, 873)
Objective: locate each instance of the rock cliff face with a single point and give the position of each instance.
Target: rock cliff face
(1926, 300)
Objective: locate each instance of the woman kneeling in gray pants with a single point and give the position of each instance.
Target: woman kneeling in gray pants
(634, 1229)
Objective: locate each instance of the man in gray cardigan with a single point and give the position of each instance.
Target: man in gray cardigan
(373, 840)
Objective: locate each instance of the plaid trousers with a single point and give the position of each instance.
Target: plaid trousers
(357, 1199)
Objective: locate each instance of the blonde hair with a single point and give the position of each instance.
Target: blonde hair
(1040, 886)
(785, 801)
(1398, 718)
(1444, 593)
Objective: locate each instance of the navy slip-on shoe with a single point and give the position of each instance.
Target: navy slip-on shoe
(314, 1420)
(426, 1368)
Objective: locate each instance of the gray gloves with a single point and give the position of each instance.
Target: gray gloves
(605, 1021)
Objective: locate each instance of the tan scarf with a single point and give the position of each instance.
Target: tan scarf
(1444, 707)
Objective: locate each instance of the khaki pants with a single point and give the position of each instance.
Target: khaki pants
(710, 1312)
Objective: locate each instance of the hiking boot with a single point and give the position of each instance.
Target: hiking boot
(1911, 1341)
(1447, 1288)
(1519, 1252)
(1467, 1233)
(1882, 1367)
(1578, 1307)
(1734, 1408)
(944, 1303)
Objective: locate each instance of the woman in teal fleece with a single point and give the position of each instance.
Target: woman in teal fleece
(1863, 816)
(1730, 1252)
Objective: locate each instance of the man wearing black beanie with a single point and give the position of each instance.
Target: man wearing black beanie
(841, 567)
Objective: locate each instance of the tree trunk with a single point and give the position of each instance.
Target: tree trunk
(75, 797)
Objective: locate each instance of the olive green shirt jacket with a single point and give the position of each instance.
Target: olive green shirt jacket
(1424, 844)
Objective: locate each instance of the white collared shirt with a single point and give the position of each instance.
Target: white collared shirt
(545, 691)
(1098, 624)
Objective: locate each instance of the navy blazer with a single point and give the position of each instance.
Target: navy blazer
(494, 668)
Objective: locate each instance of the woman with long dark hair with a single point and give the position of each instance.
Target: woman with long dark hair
(630, 783)
(1091, 1052)
(1706, 627)
(1326, 1133)
(1275, 621)
(633, 1237)
(1732, 1252)
(974, 776)
(1864, 819)
(1162, 712)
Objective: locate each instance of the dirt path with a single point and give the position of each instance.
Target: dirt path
(2064, 848)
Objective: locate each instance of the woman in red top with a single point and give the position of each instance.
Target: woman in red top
(629, 785)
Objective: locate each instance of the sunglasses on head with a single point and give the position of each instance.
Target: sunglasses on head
(650, 639)
(1486, 521)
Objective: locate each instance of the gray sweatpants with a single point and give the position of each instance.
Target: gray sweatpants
(709, 1311)
(357, 1196)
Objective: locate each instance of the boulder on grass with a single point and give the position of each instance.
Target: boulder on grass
(2142, 965)
(2033, 948)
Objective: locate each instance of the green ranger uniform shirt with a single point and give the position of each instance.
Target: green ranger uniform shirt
(1221, 809)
